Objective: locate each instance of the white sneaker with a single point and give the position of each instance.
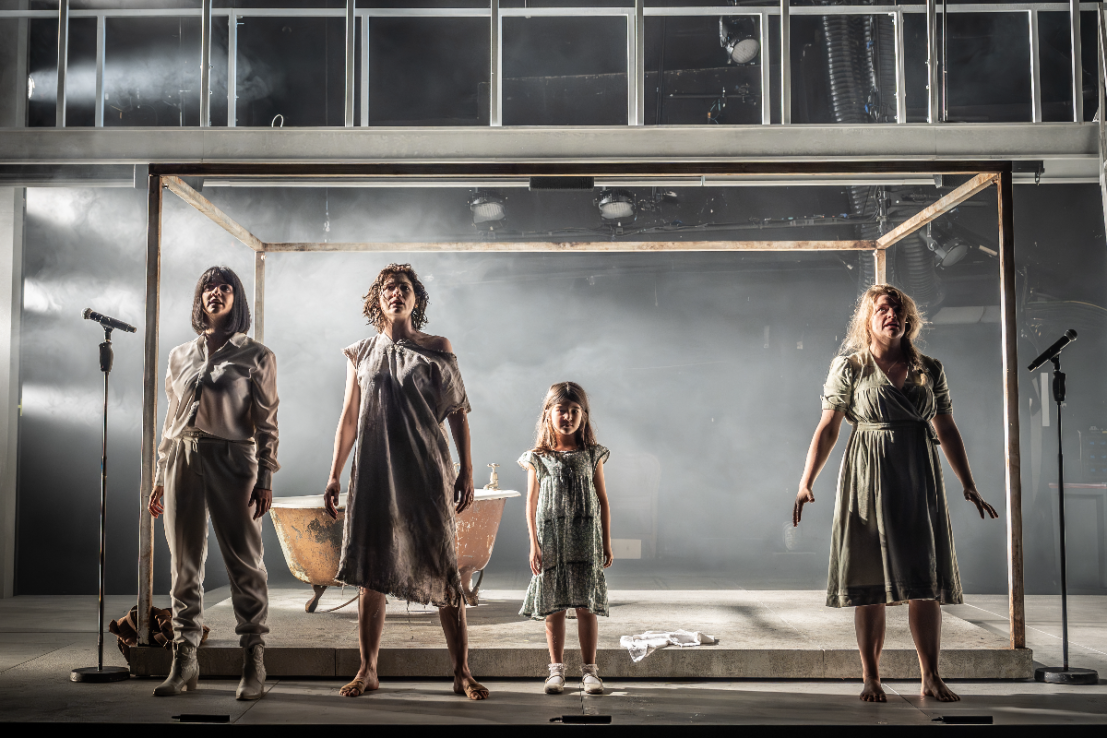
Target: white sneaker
(592, 682)
(555, 682)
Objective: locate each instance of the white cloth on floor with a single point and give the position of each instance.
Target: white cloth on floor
(642, 645)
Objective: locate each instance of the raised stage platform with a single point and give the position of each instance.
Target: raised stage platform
(762, 634)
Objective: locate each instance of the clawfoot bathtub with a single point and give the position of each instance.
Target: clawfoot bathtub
(311, 540)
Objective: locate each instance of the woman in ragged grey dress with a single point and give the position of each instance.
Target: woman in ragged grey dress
(892, 541)
(400, 535)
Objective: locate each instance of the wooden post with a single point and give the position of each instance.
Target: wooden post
(1016, 604)
(149, 408)
(259, 296)
(880, 274)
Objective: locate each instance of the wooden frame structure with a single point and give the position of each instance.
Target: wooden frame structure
(981, 176)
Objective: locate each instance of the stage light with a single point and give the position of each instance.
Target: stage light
(948, 251)
(738, 35)
(487, 207)
(616, 205)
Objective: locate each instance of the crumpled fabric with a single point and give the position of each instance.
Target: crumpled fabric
(642, 645)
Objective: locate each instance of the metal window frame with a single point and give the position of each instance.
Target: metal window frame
(635, 44)
(168, 176)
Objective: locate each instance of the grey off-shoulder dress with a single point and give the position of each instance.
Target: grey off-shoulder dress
(399, 536)
(569, 533)
(891, 540)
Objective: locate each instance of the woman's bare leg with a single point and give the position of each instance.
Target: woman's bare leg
(555, 636)
(457, 642)
(588, 631)
(370, 626)
(868, 622)
(926, 628)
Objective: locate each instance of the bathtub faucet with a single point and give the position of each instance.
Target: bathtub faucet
(494, 482)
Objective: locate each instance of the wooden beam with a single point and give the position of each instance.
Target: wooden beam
(1013, 478)
(259, 297)
(943, 205)
(880, 274)
(152, 331)
(578, 246)
(205, 206)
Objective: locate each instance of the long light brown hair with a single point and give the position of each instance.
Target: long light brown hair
(858, 336)
(560, 393)
(372, 307)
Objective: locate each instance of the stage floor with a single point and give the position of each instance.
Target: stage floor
(42, 638)
(762, 634)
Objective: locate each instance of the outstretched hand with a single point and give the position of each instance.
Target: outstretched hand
(974, 497)
(805, 497)
(463, 490)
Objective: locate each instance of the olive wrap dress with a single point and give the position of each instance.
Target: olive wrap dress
(400, 531)
(891, 539)
(570, 536)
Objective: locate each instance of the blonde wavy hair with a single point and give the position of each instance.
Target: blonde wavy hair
(858, 336)
(559, 393)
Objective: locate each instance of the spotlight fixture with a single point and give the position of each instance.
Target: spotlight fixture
(487, 207)
(616, 206)
(739, 37)
(949, 251)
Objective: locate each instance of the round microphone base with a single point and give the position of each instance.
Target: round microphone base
(1061, 675)
(99, 676)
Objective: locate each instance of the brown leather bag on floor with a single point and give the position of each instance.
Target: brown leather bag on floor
(161, 630)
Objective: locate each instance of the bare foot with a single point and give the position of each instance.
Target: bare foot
(465, 684)
(933, 686)
(362, 683)
(872, 691)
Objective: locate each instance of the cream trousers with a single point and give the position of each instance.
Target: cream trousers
(205, 477)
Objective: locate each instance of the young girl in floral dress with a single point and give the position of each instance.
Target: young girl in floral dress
(570, 530)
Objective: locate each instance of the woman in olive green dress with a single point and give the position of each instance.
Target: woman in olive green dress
(891, 541)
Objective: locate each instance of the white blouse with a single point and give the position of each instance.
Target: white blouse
(232, 395)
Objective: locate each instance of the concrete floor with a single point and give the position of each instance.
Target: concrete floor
(779, 634)
(42, 638)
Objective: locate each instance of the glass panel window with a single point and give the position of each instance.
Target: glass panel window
(291, 71)
(428, 71)
(565, 71)
(703, 70)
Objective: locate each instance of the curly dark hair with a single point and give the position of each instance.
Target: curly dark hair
(372, 307)
(239, 321)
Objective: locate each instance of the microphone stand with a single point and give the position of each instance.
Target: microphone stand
(101, 673)
(1063, 674)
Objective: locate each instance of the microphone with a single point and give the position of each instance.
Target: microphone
(1049, 353)
(107, 322)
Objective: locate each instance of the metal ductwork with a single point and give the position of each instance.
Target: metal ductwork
(860, 55)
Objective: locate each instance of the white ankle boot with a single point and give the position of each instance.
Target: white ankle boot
(252, 686)
(555, 682)
(184, 674)
(592, 682)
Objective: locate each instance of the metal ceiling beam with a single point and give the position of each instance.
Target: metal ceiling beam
(577, 246)
(479, 145)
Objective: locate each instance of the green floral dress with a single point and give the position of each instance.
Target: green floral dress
(891, 540)
(569, 533)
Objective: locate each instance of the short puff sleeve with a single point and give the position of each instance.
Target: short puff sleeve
(838, 390)
(599, 455)
(529, 460)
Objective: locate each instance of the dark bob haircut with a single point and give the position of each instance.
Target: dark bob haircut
(239, 322)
